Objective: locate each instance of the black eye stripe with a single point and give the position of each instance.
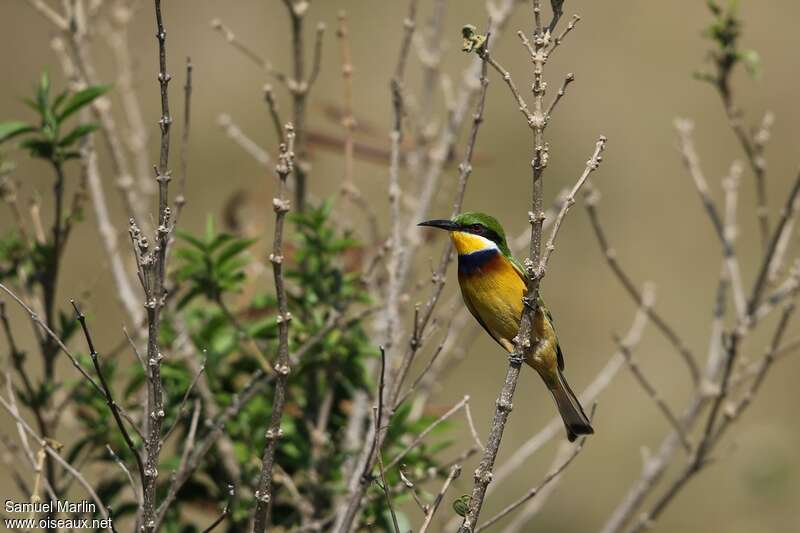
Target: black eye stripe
(483, 231)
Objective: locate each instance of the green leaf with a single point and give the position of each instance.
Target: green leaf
(32, 104)
(77, 133)
(210, 229)
(461, 504)
(12, 129)
(472, 39)
(82, 99)
(752, 62)
(188, 237)
(714, 7)
(189, 296)
(38, 148)
(59, 99)
(233, 249)
(43, 91)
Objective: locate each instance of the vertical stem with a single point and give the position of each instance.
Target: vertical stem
(280, 205)
(299, 90)
(525, 341)
(155, 292)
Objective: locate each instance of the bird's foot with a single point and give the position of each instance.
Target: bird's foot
(515, 359)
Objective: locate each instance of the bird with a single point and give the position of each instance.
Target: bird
(493, 284)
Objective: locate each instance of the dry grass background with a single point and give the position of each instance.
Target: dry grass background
(633, 64)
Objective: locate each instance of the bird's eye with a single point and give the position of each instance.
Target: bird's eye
(475, 227)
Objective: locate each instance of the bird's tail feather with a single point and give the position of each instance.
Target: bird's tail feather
(575, 420)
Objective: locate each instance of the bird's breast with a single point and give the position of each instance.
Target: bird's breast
(494, 289)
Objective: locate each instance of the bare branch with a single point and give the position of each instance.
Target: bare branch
(152, 272)
(106, 392)
(248, 392)
(591, 199)
(381, 469)
(553, 475)
(316, 62)
(49, 13)
(246, 51)
(410, 485)
(424, 433)
(182, 406)
(109, 236)
(648, 295)
(280, 205)
(792, 203)
(506, 76)
(136, 492)
(559, 95)
(54, 337)
(225, 512)
(471, 423)
(556, 41)
(692, 163)
(524, 340)
(46, 446)
(272, 106)
(246, 143)
(180, 197)
(591, 166)
(455, 471)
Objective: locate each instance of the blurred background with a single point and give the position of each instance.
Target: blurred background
(633, 63)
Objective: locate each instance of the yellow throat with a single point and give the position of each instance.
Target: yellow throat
(467, 243)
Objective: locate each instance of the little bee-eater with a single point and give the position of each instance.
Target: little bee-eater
(493, 284)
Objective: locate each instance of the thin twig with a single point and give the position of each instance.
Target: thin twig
(410, 485)
(246, 51)
(263, 493)
(591, 199)
(553, 475)
(471, 423)
(591, 166)
(136, 492)
(424, 433)
(107, 395)
(711, 434)
(182, 406)
(377, 412)
(54, 338)
(201, 449)
(180, 197)
(109, 236)
(506, 76)
(246, 143)
(455, 471)
(589, 395)
(349, 509)
(152, 271)
(648, 295)
(559, 95)
(534, 505)
(272, 107)
(44, 444)
(692, 163)
(49, 13)
(225, 512)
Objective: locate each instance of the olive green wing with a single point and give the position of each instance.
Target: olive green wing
(521, 271)
(519, 268)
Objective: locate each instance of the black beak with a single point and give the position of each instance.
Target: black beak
(448, 225)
